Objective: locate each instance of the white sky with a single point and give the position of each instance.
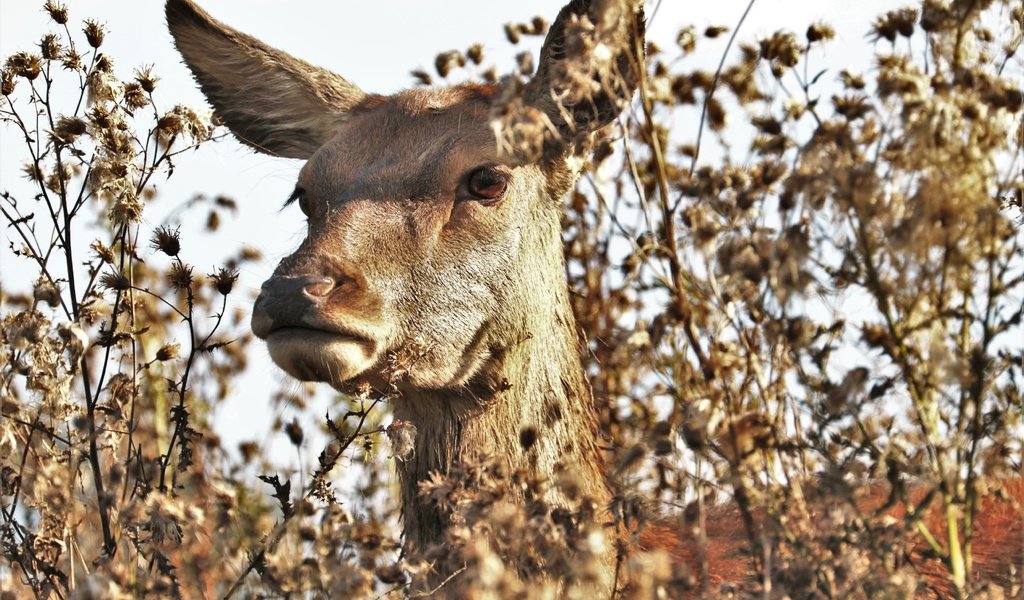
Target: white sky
(374, 44)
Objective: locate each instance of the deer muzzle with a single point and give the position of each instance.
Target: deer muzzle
(307, 335)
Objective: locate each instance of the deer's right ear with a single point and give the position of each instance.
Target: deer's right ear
(270, 100)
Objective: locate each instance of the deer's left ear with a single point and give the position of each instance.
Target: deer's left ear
(589, 67)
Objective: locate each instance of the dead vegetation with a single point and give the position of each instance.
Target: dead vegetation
(818, 336)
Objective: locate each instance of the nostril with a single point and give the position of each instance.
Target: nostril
(318, 288)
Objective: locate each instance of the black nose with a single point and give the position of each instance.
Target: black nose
(289, 301)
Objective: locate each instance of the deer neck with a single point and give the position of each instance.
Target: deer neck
(530, 410)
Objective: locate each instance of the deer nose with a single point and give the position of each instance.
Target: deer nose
(309, 286)
(290, 301)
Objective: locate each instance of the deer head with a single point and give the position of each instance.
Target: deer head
(433, 262)
(425, 239)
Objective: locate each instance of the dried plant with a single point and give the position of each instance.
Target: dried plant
(806, 355)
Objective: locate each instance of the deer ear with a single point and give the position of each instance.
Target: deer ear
(270, 100)
(589, 66)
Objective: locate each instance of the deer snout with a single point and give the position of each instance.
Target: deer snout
(292, 301)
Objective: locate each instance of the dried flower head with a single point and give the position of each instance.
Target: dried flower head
(475, 53)
(145, 78)
(422, 77)
(25, 64)
(168, 352)
(45, 291)
(115, 280)
(134, 96)
(68, 129)
(820, 31)
(166, 240)
(32, 171)
(402, 435)
(103, 252)
(180, 276)
(6, 82)
(225, 279)
(126, 207)
(184, 120)
(294, 432)
(714, 31)
(103, 87)
(93, 33)
(71, 60)
(58, 11)
(50, 46)
(513, 32)
(446, 61)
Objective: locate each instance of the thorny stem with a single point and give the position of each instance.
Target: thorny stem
(270, 541)
(183, 386)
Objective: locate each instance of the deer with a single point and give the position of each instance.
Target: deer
(434, 236)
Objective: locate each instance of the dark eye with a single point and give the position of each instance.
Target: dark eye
(300, 195)
(487, 183)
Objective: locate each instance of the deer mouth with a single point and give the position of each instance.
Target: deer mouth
(311, 354)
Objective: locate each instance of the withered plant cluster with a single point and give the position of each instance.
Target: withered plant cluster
(115, 348)
(802, 326)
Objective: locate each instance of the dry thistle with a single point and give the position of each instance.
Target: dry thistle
(166, 240)
(714, 31)
(446, 61)
(402, 435)
(475, 53)
(294, 432)
(817, 32)
(116, 281)
(45, 291)
(6, 82)
(126, 208)
(69, 128)
(180, 276)
(225, 279)
(422, 77)
(50, 46)
(513, 32)
(58, 12)
(145, 78)
(71, 60)
(93, 33)
(134, 96)
(24, 64)
(168, 352)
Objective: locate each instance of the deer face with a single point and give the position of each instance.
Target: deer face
(415, 250)
(433, 246)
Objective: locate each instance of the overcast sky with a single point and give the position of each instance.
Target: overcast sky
(374, 44)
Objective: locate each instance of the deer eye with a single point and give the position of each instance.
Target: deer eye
(487, 183)
(299, 195)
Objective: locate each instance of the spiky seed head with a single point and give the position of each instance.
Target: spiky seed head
(225, 279)
(180, 276)
(58, 12)
(166, 240)
(168, 352)
(93, 33)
